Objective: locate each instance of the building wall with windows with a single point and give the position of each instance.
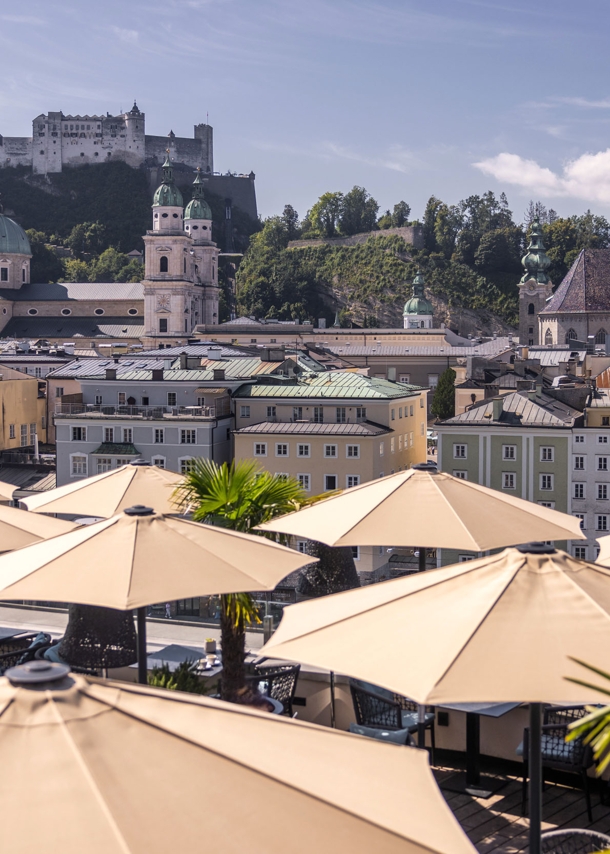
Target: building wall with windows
(23, 407)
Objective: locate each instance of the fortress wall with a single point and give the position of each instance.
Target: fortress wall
(15, 151)
(191, 152)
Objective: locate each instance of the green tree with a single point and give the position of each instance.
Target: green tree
(400, 215)
(443, 402)
(335, 572)
(75, 271)
(87, 237)
(446, 227)
(498, 256)
(114, 266)
(433, 206)
(45, 265)
(385, 220)
(290, 219)
(237, 496)
(358, 212)
(324, 215)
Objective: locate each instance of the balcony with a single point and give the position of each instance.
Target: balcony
(143, 413)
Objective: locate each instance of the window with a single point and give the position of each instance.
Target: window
(393, 415)
(159, 462)
(301, 546)
(381, 449)
(341, 419)
(602, 440)
(159, 436)
(549, 504)
(122, 398)
(303, 450)
(108, 434)
(548, 337)
(352, 452)
(392, 445)
(433, 380)
(606, 421)
(98, 311)
(404, 378)
(509, 452)
(3, 274)
(411, 440)
(304, 481)
(400, 411)
(282, 475)
(188, 437)
(79, 434)
(602, 463)
(260, 449)
(78, 465)
(602, 491)
(187, 464)
(460, 452)
(59, 391)
(171, 398)
(580, 552)
(163, 264)
(600, 336)
(579, 490)
(571, 335)
(509, 480)
(98, 400)
(32, 433)
(547, 453)
(352, 480)
(104, 464)
(579, 463)
(356, 552)
(400, 442)
(297, 413)
(464, 558)
(411, 407)
(330, 482)
(281, 449)
(601, 523)
(38, 372)
(581, 516)
(459, 473)
(244, 411)
(579, 440)
(11, 431)
(330, 450)
(271, 412)
(163, 324)
(531, 309)
(318, 414)
(127, 435)
(361, 412)
(547, 481)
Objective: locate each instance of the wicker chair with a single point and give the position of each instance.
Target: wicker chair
(17, 642)
(279, 683)
(389, 711)
(572, 756)
(573, 841)
(24, 651)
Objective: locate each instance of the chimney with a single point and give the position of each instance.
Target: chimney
(219, 374)
(498, 405)
(538, 387)
(157, 374)
(111, 373)
(184, 362)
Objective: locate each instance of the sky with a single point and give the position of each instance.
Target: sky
(407, 98)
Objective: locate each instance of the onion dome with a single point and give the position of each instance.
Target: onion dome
(167, 195)
(13, 238)
(536, 261)
(198, 208)
(418, 304)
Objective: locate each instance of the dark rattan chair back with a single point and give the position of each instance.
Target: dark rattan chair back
(279, 683)
(574, 841)
(375, 711)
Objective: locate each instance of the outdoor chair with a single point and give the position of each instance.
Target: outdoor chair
(13, 644)
(278, 682)
(573, 841)
(390, 736)
(376, 707)
(10, 658)
(571, 756)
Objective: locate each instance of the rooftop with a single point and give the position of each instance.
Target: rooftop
(362, 428)
(74, 327)
(487, 348)
(586, 286)
(74, 291)
(332, 385)
(519, 409)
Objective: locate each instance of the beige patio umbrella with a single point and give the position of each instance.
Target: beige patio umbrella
(19, 528)
(498, 629)
(603, 557)
(6, 491)
(109, 493)
(140, 557)
(114, 768)
(427, 508)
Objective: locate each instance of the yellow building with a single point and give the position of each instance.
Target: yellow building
(23, 408)
(332, 431)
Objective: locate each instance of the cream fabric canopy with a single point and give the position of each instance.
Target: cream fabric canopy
(19, 529)
(109, 493)
(603, 557)
(498, 629)
(426, 508)
(6, 491)
(130, 561)
(111, 768)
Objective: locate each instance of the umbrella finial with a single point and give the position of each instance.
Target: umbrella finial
(139, 510)
(431, 467)
(536, 549)
(37, 672)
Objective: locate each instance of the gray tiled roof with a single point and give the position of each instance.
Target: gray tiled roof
(519, 409)
(332, 385)
(205, 349)
(75, 291)
(586, 286)
(74, 327)
(487, 348)
(363, 428)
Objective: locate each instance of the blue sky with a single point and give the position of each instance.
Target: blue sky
(407, 98)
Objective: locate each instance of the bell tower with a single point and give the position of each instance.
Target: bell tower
(535, 287)
(204, 252)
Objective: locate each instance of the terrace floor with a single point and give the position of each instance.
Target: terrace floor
(495, 825)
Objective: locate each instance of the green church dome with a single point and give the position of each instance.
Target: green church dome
(418, 304)
(198, 208)
(167, 195)
(13, 238)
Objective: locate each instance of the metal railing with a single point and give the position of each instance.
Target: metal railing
(145, 412)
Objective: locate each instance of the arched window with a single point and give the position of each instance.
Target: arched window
(163, 262)
(600, 338)
(422, 324)
(571, 335)
(548, 337)
(531, 308)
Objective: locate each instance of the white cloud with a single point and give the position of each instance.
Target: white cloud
(395, 158)
(129, 36)
(587, 177)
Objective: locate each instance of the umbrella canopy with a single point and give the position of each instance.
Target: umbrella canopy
(603, 557)
(109, 493)
(6, 491)
(140, 557)
(498, 629)
(428, 508)
(143, 771)
(19, 529)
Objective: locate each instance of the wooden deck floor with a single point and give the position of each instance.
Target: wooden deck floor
(495, 825)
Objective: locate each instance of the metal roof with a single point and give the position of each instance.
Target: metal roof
(74, 327)
(362, 428)
(601, 398)
(551, 358)
(75, 291)
(27, 478)
(487, 348)
(204, 349)
(519, 409)
(332, 384)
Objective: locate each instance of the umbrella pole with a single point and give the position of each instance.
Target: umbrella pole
(142, 660)
(422, 559)
(333, 722)
(535, 784)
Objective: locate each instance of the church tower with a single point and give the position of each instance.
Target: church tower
(418, 311)
(204, 253)
(172, 301)
(535, 287)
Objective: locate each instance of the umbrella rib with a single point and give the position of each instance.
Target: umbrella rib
(370, 511)
(89, 777)
(454, 512)
(235, 761)
(587, 595)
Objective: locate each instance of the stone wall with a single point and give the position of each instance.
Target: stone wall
(413, 234)
(15, 151)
